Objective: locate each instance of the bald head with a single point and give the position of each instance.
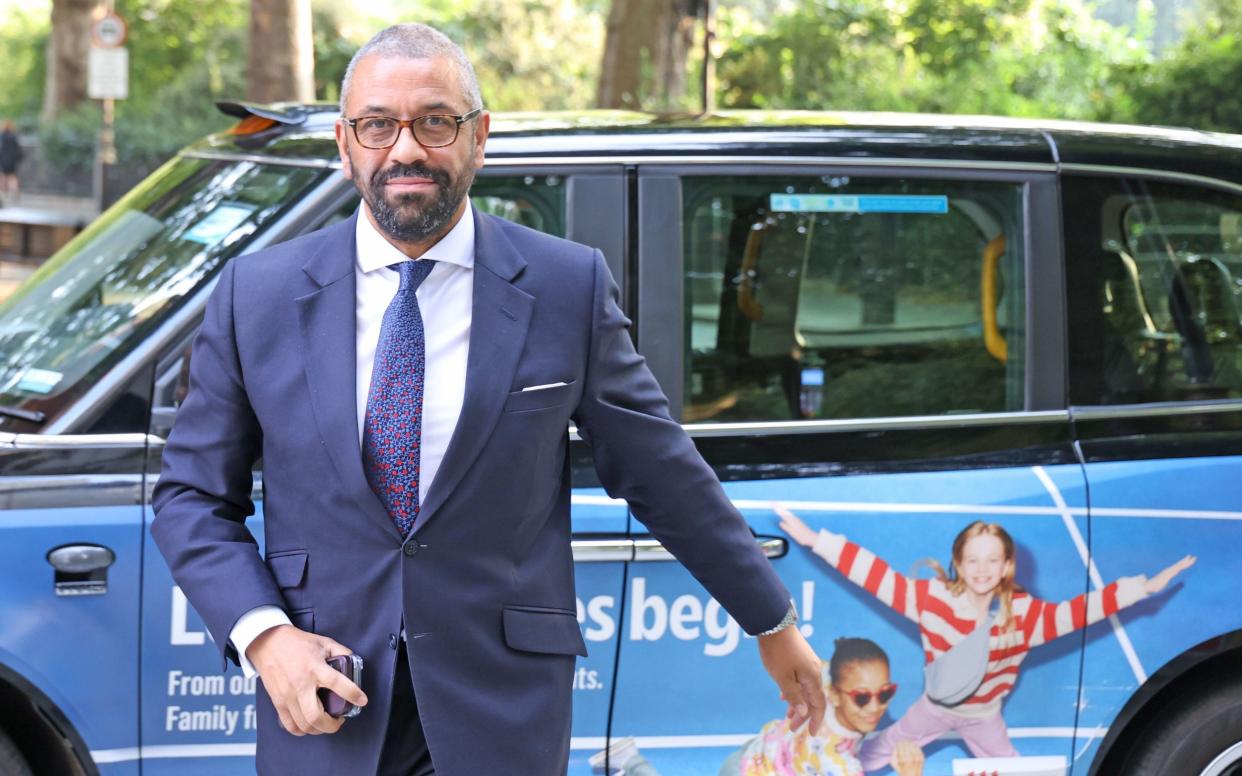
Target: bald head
(416, 41)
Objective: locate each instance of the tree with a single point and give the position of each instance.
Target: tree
(281, 63)
(68, 49)
(645, 53)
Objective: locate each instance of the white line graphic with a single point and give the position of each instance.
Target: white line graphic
(954, 509)
(578, 743)
(1067, 518)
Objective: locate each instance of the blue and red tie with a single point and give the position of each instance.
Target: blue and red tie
(394, 418)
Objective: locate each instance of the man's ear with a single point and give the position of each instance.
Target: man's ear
(342, 147)
(482, 126)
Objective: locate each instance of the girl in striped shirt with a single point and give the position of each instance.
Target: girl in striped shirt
(949, 607)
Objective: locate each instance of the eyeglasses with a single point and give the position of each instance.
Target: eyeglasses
(435, 130)
(862, 698)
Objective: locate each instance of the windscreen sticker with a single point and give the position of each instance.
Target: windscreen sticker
(937, 204)
(38, 380)
(218, 224)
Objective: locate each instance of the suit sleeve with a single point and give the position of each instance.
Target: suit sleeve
(643, 456)
(202, 498)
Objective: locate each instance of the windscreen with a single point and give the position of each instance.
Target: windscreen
(96, 299)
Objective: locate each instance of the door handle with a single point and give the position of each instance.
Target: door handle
(81, 569)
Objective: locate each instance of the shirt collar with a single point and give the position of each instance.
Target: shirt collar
(841, 731)
(456, 247)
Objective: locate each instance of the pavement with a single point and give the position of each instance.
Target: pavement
(47, 209)
(25, 211)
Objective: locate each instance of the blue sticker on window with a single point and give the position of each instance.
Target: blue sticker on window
(219, 223)
(937, 204)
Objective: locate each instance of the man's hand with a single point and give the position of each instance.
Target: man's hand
(907, 759)
(292, 664)
(794, 667)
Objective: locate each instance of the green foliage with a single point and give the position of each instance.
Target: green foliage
(1196, 84)
(23, 60)
(939, 56)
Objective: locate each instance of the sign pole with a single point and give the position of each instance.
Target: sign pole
(108, 82)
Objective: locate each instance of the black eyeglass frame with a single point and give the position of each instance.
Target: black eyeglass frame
(403, 123)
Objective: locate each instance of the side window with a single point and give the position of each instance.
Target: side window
(1154, 296)
(851, 297)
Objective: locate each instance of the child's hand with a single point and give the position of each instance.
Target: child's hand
(1161, 580)
(791, 524)
(907, 759)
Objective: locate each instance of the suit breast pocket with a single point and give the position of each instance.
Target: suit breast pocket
(540, 398)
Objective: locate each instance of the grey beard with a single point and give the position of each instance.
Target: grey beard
(419, 225)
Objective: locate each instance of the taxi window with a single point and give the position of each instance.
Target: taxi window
(98, 298)
(1154, 275)
(840, 297)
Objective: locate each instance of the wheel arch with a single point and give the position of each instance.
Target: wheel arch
(1201, 665)
(45, 736)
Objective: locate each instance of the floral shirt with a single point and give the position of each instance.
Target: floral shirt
(778, 751)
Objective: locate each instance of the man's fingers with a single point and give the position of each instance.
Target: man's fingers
(317, 719)
(297, 716)
(813, 697)
(340, 684)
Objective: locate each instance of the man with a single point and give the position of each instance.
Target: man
(412, 426)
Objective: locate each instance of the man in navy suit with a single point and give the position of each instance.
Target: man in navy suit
(407, 377)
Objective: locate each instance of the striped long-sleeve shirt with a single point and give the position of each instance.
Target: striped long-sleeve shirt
(944, 619)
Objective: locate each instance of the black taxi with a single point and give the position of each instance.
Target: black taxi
(889, 326)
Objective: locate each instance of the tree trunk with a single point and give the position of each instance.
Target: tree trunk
(645, 50)
(68, 49)
(281, 64)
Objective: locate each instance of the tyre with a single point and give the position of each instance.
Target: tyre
(1199, 734)
(11, 761)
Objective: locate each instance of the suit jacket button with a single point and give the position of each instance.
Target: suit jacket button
(410, 549)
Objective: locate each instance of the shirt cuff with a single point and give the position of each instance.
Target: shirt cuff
(248, 628)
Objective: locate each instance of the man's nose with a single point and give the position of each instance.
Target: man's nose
(406, 149)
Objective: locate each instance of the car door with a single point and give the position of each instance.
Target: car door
(877, 349)
(183, 673)
(1153, 266)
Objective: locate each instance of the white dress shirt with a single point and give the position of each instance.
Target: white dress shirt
(444, 302)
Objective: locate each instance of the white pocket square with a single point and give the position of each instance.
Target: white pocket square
(543, 387)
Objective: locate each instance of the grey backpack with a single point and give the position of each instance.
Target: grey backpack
(954, 676)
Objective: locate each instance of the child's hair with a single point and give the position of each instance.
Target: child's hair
(1007, 587)
(847, 651)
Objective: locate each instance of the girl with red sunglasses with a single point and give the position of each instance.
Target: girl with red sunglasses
(856, 681)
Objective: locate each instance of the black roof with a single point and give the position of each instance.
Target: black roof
(306, 131)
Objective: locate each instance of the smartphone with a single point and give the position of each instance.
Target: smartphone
(335, 705)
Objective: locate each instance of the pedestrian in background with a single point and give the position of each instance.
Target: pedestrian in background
(10, 157)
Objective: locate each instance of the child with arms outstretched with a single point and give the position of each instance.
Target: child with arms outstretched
(979, 591)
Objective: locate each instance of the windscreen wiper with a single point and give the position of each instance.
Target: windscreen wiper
(34, 416)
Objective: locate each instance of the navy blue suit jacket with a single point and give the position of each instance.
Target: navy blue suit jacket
(486, 593)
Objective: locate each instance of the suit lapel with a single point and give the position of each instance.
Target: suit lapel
(500, 318)
(329, 348)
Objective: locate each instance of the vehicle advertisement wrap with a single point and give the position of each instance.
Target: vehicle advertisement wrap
(691, 698)
(684, 680)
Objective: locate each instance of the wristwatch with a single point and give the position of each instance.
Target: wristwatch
(790, 618)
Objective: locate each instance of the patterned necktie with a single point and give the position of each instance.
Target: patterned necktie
(394, 418)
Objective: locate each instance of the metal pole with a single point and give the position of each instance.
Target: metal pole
(709, 60)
